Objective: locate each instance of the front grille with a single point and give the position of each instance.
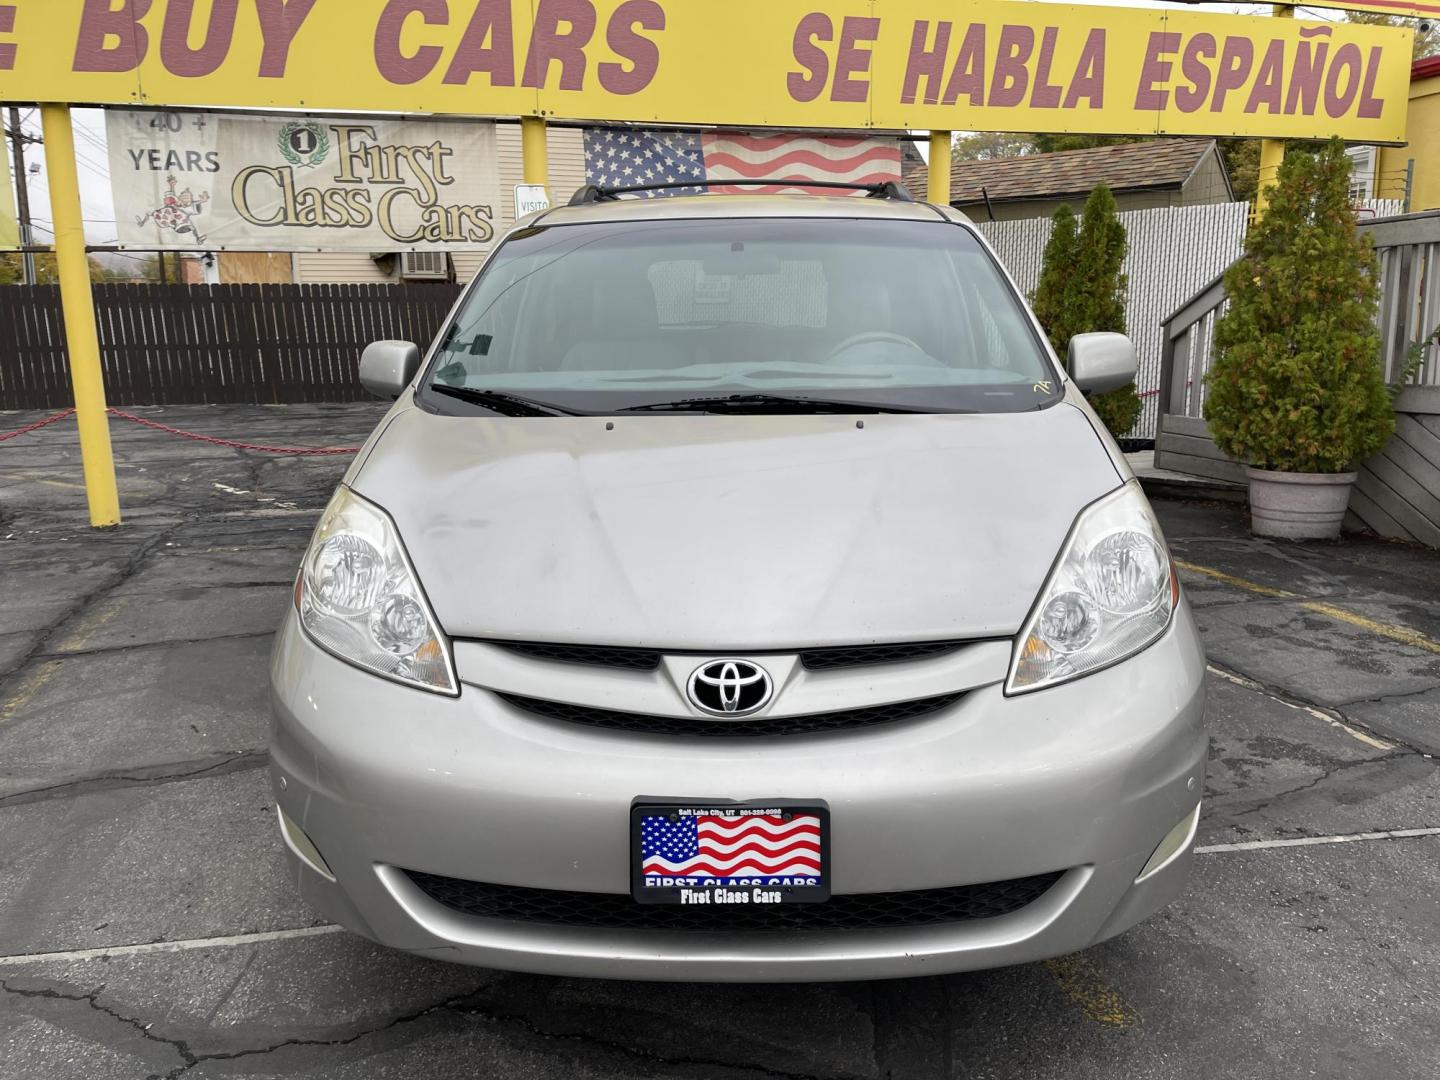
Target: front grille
(860, 655)
(598, 655)
(829, 658)
(808, 724)
(611, 911)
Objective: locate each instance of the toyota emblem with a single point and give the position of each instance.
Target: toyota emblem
(730, 687)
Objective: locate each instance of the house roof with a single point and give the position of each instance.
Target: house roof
(1158, 163)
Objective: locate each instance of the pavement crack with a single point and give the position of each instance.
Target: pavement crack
(92, 999)
(1328, 774)
(1391, 697)
(104, 650)
(150, 776)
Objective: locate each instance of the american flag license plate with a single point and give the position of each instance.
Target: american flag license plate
(708, 854)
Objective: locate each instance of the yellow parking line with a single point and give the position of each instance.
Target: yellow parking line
(1083, 984)
(29, 686)
(1402, 634)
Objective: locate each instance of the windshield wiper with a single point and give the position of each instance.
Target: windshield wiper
(771, 403)
(501, 402)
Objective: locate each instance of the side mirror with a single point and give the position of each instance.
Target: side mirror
(386, 367)
(1100, 363)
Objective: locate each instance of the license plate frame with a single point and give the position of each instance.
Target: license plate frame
(713, 893)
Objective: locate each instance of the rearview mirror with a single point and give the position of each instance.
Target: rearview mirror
(1099, 363)
(386, 367)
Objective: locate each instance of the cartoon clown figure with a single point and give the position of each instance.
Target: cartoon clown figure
(178, 212)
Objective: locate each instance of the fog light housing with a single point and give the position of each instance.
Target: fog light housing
(1176, 841)
(303, 847)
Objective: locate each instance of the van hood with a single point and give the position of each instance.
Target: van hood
(712, 532)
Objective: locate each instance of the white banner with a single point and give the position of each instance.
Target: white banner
(220, 182)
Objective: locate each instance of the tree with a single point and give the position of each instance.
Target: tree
(1296, 384)
(1082, 289)
(988, 145)
(12, 270)
(1427, 33)
(1052, 297)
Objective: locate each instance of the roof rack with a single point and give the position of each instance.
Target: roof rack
(594, 193)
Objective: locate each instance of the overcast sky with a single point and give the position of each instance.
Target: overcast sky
(93, 161)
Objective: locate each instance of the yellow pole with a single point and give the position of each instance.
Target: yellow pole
(938, 176)
(1272, 151)
(535, 156)
(79, 309)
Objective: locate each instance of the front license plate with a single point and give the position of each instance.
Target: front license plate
(709, 854)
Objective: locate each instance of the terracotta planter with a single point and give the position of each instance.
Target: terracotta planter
(1298, 506)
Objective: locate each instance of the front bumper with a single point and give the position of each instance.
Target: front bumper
(1085, 778)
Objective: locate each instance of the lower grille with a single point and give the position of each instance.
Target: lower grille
(611, 911)
(808, 724)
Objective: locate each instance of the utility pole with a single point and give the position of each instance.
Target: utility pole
(22, 191)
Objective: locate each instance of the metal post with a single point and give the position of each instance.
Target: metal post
(1272, 151)
(937, 186)
(22, 193)
(1409, 184)
(79, 307)
(534, 153)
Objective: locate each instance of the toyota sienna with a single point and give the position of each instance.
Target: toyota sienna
(739, 589)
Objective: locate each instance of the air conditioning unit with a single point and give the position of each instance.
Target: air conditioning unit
(425, 266)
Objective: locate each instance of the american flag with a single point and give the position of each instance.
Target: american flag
(624, 157)
(730, 849)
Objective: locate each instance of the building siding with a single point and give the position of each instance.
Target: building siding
(1423, 127)
(567, 172)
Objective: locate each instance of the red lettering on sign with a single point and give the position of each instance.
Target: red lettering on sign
(1237, 57)
(9, 48)
(1156, 69)
(1269, 80)
(175, 51)
(491, 22)
(98, 24)
(1010, 77)
(929, 63)
(280, 21)
(393, 64)
(1089, 78)
(548, 43)
(851, 60)
(1370, 106)
(1198, 49)
(1347, 59)
(1305, 79)
(968, 75)
(643, 54)
(1045, 95)
(812, 27)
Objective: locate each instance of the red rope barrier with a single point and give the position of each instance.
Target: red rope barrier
(53, 419)
(298, 451)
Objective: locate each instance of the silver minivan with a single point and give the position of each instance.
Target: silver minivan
(739, 589)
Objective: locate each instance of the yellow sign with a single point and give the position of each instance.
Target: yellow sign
(896, 64)
(1414, 9)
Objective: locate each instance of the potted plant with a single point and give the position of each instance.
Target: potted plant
(1296, 390)
(1082, 289)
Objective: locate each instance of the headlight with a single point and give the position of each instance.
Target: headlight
(358, 597)
(1111, 593)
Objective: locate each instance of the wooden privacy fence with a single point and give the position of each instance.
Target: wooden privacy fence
(202, 344)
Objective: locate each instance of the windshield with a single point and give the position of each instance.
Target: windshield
(605, 317)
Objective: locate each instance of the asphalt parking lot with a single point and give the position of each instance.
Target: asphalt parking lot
(147, 928)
